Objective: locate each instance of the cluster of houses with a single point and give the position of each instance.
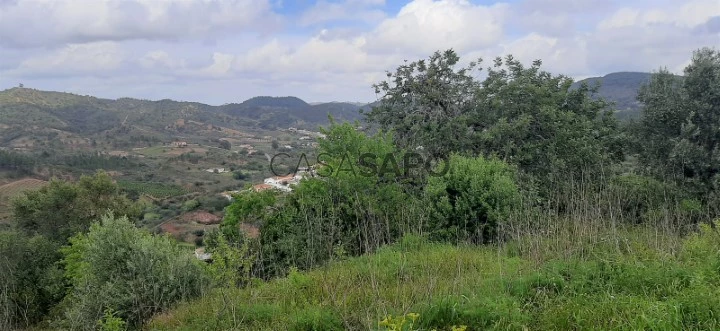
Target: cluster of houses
(280, 183)
(308, 134)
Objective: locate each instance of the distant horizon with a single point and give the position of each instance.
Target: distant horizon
(312, 103)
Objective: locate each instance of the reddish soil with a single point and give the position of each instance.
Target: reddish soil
(201, 217)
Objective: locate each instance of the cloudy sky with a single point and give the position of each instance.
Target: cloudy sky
(320, 50)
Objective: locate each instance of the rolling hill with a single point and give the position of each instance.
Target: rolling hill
(27, 114)
(291, 111)
(620, 88)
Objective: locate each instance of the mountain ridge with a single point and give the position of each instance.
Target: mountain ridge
(25, 108)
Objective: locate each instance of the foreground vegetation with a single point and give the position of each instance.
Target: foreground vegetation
(630, 278)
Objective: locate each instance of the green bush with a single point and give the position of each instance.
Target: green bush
(316, 319)
(470, 201)
(349, 212)
(190, 205)
(119, 267)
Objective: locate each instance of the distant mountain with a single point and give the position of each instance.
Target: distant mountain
(275, 102)
(27, 113)
(621, 88)
(283, 112)
(87, 114)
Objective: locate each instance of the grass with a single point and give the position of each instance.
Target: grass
(628, 283)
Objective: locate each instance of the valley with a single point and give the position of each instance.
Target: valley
(176, 157)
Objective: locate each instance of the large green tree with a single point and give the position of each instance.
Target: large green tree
(679, 135)
(62, 209)
(523, 115)
(428, 103)
(664, 113)
(538, 121)
(118, 267)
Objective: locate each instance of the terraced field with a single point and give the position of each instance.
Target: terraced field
(14, 189)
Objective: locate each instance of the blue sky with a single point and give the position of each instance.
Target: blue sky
(333, 50)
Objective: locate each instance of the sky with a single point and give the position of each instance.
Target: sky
(227, 51)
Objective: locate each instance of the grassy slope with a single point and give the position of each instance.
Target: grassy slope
(623, 280)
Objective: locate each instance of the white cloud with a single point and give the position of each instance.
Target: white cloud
(160, 59)
(682, 15)
(645, 38)
(559, 55)
(74, 59)
(423, 26)
(221, 66)
(27, 23)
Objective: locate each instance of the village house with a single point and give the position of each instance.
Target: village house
(261, 187)
(202, 256)
(179, 144)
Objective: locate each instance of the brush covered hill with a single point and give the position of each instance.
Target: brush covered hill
(26, 114)
(622, 89)
(272, 112)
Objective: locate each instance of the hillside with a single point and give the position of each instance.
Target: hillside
(44, 113)
(620, 88)
(76, 116)
(271, 112)
(641, 285)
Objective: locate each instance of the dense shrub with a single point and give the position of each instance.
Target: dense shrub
(471, 199)
(350, 210)
(30, 283)
(120, 267)
(190, 205)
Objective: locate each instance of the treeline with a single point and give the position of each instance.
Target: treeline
(15, 161)
(25, 163)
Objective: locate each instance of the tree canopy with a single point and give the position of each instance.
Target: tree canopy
(679, 135)
(523, 115)
(62, 209)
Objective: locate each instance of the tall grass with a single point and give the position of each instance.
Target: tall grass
(634, 284)
(597, 257)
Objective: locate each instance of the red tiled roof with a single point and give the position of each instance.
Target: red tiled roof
(261, 187)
